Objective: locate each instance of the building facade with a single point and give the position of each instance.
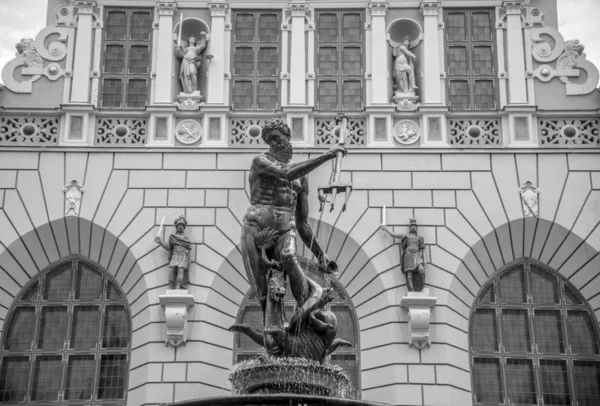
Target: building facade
(476, 118)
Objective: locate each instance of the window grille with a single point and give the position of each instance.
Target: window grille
(347, 358)
(68, 345)
(470, 59)
(126, 60)
(535, 343)
(340, 60)
(256, 60)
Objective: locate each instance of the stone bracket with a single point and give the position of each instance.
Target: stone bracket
(176, 303)
(419, 306)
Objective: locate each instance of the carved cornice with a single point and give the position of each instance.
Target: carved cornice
(513, 7)
(84, 6)
(218, 9)
(298, 9)
(166, 9)
(430, 8)
(378, 8)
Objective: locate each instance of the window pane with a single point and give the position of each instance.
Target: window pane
(112, 92)
(80, 377)
(246, 357)
(327, 30)
(351, 30)
(32, 293)
(481, 23)
(243, 94)
(53, 328)
(458, 60)
(112, 293)
(19, 334)
(86, 323)
(456, 27)
(328, 95)
(489, 295)
(57, 284)
(268, 29)
(459, 94)
(114, 59)
(520, 381)
(243, 61)
(484, 333)
(515, 330)
(484, 94)
(115, 332)
(487, 380)
(586, 375)
(137, 92)
(327, 61)
(512, 286)
(88, 283)
(555, 382)
(351, 94)
(268, 61)
(252, 316)
(582, 336)
(571, 298)
(139, 59)
(244, 27)
(351, 61)
(548, 331)
(345, 327)
(116, 25)
(141, 26)
(113, 373)
(47, 376)
(544, 286)
(14, 377)
(483, 62)
(267, 95)
(348, 363)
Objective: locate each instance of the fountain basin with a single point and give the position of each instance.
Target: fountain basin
(275, 400)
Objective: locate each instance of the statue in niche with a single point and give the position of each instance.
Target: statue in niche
(404, 67)
(190, 54)
(411, 256)
(278, 211)
(179, 247)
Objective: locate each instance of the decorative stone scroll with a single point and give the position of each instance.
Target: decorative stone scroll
(29, 130)
(31, 56)
(73, 193)
(529, 199)
(121, 130)
(176, 303)
(584, 132)
(327, 132)
(475, 132)
(419, 306)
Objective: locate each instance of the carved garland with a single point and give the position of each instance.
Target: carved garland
(121, 131)
(326, 133)
(584, 132)
(29, 130)
(475, 132)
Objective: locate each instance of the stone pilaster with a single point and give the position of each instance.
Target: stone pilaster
(517, 88)
(298, 56)
(379, 66)
(432, 51)
(216, 70)
(82, 65)
(163, 93)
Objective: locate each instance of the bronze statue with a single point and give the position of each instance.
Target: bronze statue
(404, 68)
(179, 248)
(278, 210)
(191, 56)
(411, 256)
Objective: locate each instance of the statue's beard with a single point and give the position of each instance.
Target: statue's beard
(282, 150)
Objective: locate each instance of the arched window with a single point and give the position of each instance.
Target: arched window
(347, 358)
(533, 341)
(67, 339)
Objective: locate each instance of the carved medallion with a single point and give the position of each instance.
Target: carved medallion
(188, 132)
(529, 199)
(407, 132)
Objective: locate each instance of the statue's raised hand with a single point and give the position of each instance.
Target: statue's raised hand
(335, 149)
(327, 265)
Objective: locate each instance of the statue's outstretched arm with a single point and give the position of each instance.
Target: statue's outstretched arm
(294, 171)
(393, 235)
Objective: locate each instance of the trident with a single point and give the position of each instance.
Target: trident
(335, 187)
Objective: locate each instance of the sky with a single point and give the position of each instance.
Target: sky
(578, 19)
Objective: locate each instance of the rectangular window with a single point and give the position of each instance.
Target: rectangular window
(340, 60)
(256, 60)
(127, 50)
(470, 59)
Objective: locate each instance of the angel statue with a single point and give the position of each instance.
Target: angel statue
(190, 55)
(404, 67)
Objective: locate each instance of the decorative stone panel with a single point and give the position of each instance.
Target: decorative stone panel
(29, 130)
(246, 131)
(584, 132)
(478, 132)
(121, 131)
(326, 133)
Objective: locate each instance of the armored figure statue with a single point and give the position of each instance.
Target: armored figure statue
(404, 68)
(278, 211)
(191, 56)
(179, 248)
(411, 256)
